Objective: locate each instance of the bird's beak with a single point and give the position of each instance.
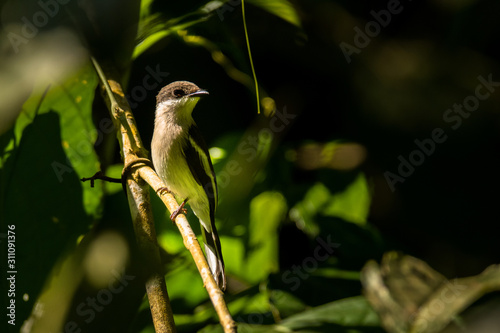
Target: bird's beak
(199, 93)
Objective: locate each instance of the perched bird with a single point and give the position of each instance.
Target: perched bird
(181, 159)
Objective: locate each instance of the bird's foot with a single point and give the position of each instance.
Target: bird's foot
(163, 190)
(180, 210)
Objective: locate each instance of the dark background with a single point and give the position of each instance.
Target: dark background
(392, 92)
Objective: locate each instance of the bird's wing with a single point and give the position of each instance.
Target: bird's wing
(200, 165)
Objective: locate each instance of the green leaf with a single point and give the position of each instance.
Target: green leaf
(354, 311)
(353, 204)
(153, 27)
(72, 101)
(233, 252)
(303, 212)
(267, 210)
(286, 303)
(185, 285)
(50, 148)
(255, 303)
(346, 315)
(281, 8)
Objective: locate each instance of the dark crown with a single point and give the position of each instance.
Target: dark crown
(176, 90)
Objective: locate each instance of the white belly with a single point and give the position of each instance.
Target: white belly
(171, 166)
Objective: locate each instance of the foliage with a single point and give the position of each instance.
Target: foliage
(302, 207)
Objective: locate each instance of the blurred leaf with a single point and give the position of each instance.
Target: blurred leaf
(334, 273)
(156, 34)
(40, 192)
(355, 311)
(72, 100)
(171, 241)
(113, 171)
(281, 8)
(353, 204)
(267, 210)
(256, 303)
(308, 283)
(153, 27)
(49, 215)
(303, 213)
(286, 303)
(185, 285)
(145, 8)
(347, 315)
(50, 57)
(57, 294)
(233, 252)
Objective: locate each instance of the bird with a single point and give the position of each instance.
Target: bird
(181, 159)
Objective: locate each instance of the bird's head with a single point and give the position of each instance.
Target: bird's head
(178, 99)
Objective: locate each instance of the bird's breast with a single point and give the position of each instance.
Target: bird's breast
(170, 163)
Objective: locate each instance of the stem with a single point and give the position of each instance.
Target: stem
(139, 202)
(140, 208)
(250, 55)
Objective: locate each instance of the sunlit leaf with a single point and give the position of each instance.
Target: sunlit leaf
(303, 212)
(233, 251)
(257, 303)
(353, 204)
(72, 101)
(184, 284)
(281, 8)
(40, 191)
(113, 171)
(57, 294)
(267, 210)
(153, 27)
(171, 241)
(145, 8)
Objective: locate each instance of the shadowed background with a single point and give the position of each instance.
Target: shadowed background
(347, 88)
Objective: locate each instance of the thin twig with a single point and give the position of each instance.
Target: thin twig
(100, 175)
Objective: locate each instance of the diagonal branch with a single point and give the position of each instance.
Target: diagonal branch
(133, 150)
(192, 244)
(139, 203)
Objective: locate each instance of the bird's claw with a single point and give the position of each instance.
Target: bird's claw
(163, 190)
(178, 211)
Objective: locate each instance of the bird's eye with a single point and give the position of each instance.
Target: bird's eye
(179, 93)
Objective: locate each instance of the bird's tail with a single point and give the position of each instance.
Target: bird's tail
(214, 256)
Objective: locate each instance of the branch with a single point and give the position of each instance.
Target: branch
(192, 244)
(132, 150)
(410, 297)
(100, 175)
(139, 202)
